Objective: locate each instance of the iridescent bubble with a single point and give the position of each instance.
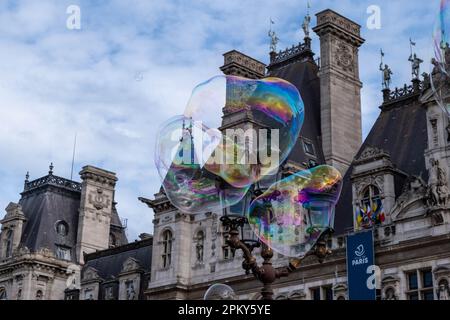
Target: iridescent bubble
(233, 133)
(293, 213)
(259, 119)
(220, 291)
(440, 74)
(182, 145)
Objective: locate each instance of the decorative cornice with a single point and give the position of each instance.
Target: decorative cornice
(329, 21)
(239, 64)
(51, 180)
(98, 175)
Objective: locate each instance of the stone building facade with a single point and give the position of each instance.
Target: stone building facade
(400, 170)
(400, 173)
(45, 236)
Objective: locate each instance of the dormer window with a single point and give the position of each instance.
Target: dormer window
(371, 197)
(371, 211)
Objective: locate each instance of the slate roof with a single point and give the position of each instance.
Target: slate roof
(401, 131)
(301, 70)
(45, 202)
(108, 263)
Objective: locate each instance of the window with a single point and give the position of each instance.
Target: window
(63, 253)
(9, 243)
(88, 294)
(327, 293)
(371, 197)
(420, 285)
(322, 293)
(308, 147)
(3, 295)
(167, 248)
(62, 228)
(315, 294)
(199, 247)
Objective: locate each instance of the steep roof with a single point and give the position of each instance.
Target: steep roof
(297, 66)
(49, 200)
(401, 131)
(45, 202)
(108, 263)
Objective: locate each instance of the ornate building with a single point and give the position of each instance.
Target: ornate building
(46, 235)
(395, 182)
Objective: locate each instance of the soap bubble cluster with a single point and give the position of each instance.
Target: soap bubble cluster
(294, 213)
(233, 133)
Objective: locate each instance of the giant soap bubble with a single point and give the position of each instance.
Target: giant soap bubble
(233, 133)
(293, 213)
(440, 75)
(219, 291)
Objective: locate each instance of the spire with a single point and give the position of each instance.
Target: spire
(50, 172)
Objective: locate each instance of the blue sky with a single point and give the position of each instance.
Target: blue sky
(134, 63)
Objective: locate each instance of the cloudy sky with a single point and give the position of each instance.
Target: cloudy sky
(133, 64)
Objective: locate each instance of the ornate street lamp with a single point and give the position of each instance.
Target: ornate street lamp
(320, 218)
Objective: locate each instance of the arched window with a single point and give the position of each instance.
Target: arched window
(3, 295)
(167, 248)
(371, 197)
(200, 245)
(9, 243)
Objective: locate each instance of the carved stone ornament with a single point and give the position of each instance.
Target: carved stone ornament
(370, 153)
(344, 57)
(98, 199)
(130, 265)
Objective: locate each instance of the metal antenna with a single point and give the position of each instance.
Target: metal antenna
(73, 156)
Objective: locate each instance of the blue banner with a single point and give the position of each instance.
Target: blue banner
(361, 266)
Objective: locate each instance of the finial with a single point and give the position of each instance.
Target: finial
(27, 176)
(50, 172)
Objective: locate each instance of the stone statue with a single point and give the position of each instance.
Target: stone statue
(305, 25)
(433, 196)
(199, 249)
(443, 291)
(386, 75)
(437, 185)
(415, 63)
(131, 294)
(273, 41)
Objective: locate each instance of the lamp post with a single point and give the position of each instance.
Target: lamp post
(320, 215)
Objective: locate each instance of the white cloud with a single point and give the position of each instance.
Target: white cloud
(55, 82)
